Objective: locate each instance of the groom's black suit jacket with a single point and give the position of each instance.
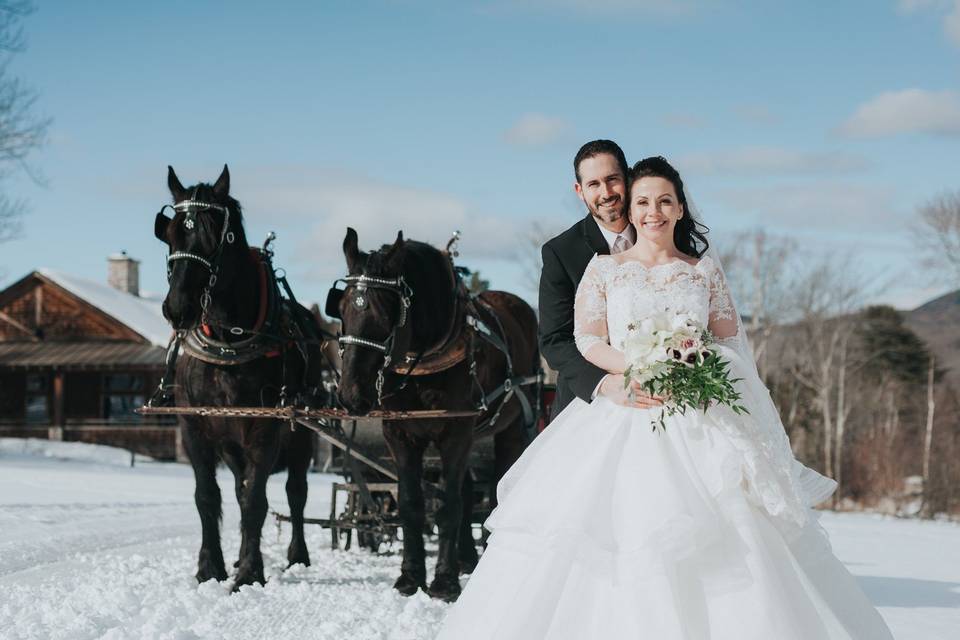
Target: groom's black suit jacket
(565, 258)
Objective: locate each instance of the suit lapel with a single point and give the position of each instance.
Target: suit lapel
(593, 237)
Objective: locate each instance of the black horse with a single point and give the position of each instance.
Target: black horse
(411, 340)
(241, 346)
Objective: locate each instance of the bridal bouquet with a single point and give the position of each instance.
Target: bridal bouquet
(669, 355)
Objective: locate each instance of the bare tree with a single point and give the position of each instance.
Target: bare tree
(21, 131)
(928, 436)
(528, 248)
(826, 295)
(938, 235)
(758, 266)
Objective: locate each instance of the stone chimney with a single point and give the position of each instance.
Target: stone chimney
(124, 273)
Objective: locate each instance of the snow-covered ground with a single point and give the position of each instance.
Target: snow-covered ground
(92, 548)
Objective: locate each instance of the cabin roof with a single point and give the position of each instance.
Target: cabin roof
(141, 314)
(80, 355)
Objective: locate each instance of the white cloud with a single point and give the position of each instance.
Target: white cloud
(907, 111)
(816, 207)
(311, 207)
(536, 129)
(771, 160)
(950, 9)
(951, 24)
(912, 6)
(315, 206)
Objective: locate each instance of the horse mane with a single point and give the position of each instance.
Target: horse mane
(426, 269)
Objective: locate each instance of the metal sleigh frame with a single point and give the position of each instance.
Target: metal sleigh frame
(369, 506)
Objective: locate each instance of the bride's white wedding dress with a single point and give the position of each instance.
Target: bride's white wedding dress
(606, 530)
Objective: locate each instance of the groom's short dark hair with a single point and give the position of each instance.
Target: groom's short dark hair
(595, 148)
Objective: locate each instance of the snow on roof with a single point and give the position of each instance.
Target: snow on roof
(143, 315)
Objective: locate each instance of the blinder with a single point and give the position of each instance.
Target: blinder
(361, 284)
(332, 306)
(161, 223)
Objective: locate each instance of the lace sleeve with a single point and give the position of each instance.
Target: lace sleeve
(590, 308)
(723, 322)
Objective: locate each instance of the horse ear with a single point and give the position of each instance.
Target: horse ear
(350, 248)
(394, 257)
(173, 183)
(222, 186)
(160, 226)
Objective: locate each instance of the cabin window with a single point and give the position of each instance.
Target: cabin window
(37, 403)
(122, 393)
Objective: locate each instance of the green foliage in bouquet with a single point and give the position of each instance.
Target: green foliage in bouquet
(692, 386)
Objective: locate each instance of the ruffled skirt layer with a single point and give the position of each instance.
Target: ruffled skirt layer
(605, 529)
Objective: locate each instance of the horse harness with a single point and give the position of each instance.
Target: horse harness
(460, 342)
(281, 321)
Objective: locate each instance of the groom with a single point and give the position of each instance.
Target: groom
(601, 182)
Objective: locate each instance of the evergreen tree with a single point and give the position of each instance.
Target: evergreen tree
(892, 346)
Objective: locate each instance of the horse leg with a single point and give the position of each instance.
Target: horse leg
(300, 452)
(233, 457)
(408, 454)
(467, 548)
(206, 495)
(253, 511)
(454, 444)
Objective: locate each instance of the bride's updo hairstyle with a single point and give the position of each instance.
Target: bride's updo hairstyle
(688, 234)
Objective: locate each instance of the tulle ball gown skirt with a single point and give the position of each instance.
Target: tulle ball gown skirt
(606, 530)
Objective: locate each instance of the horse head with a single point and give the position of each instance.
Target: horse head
(206, 246)
(374, 311)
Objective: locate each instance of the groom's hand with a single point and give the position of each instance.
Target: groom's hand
(612, 388)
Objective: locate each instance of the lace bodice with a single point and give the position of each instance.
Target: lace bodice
(612, 295)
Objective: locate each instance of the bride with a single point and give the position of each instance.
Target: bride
(704, 531)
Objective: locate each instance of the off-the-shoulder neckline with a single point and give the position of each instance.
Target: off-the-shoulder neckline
(614, 261)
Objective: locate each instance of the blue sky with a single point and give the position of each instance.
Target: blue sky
(830, 122)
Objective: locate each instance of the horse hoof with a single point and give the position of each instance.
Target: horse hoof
(408, 585)
(298, 556)
(304, 561)
(205, 573)
(445, 588)
(248, 577)
(467, 566)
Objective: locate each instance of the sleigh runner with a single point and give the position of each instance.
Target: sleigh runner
(365, 502)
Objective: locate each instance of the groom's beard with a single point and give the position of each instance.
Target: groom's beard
(609, 215)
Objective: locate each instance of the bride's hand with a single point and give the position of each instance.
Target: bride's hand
(612, 388)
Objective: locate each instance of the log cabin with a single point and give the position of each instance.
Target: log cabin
(78, 356)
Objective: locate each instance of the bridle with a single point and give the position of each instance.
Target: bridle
(389, 347)
(191, 207)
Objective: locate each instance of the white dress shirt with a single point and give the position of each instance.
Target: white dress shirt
(629, 234)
